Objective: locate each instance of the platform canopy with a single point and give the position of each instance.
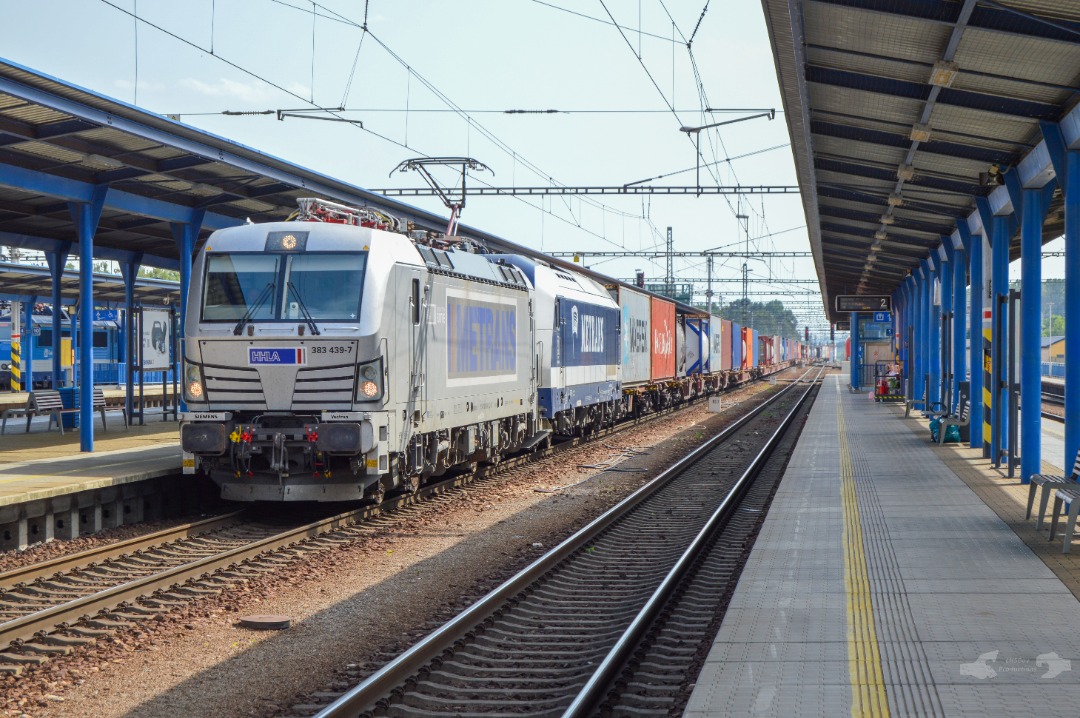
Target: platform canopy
(21, 282)
(903, 112)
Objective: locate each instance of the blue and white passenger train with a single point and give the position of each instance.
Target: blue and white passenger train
(334, 358)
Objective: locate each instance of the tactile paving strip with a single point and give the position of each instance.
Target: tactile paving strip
(906, 668)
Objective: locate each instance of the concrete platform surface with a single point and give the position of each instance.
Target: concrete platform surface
(882, 584)
(44, 464)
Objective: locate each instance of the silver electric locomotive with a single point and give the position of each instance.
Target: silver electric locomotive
(336, 360)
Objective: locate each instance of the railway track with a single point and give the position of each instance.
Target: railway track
(50, 608)
(1053, 401)
(617, 613)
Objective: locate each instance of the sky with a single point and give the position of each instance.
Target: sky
(435, 78)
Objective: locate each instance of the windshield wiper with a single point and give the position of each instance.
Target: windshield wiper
(263, 296)
(303, 309)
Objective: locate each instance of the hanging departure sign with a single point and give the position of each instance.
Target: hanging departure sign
(863, 303)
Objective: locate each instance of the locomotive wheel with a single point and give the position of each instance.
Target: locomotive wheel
(375, 493)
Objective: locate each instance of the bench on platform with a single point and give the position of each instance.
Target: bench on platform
(47, 402)
(101, 407)
(1069, 497)
(1049, 482)
(960, 419)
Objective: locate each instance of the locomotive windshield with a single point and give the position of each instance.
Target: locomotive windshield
(268, 287)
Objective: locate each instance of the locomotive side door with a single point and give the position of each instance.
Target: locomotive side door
(416, 307)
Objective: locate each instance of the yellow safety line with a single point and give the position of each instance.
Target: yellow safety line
(864, 660)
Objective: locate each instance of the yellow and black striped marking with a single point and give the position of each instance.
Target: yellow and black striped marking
(16, 367)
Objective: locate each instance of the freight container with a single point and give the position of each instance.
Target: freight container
(716, 345)
(697, 361)
(680, 345)
(777, 352)
(725, 344)
(636, 337)
(738, 347)
(754, 342)
(662, 326)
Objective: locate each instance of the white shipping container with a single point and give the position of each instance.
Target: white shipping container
(694, 340)
(636, 336)
(716, 326)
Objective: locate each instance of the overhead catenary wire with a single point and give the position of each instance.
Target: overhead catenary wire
(336, 112)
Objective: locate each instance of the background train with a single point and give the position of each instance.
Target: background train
(110, 348)
(332, 360)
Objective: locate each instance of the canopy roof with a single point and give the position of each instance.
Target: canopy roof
(903, 112)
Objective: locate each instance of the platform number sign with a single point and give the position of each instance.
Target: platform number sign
(884, 317)
(863, 303)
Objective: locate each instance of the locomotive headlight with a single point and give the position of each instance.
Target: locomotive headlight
(369, 385)
(193, 384)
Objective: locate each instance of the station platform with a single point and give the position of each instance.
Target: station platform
(50, 489)
(43, 464)
(895, 577)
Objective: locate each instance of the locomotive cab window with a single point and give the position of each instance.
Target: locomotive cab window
(327, 285)
(283, 287)
(235, 284)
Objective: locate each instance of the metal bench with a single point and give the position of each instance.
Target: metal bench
(40, 403)
(1048, 482)
(1071, 497)
(960, 419)
(101, 407)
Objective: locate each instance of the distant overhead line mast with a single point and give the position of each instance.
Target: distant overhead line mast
(617, 189)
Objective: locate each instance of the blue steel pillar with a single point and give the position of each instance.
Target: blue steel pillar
(1072, 300)
(975, 264)
(998, 350)
(933, 333)
(917, 341)
(856, 358)
(26, 345)
(86, 216)
(926, 309)
(186, 235)
(946, 274)
(129, 270)
(1031, 333)
(960, 321)
(1066, 164)
(56, 261)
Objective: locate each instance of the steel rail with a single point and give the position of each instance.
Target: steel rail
(594, 689)
(82, 559)
(365, 695)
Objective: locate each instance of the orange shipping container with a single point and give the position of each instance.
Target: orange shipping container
(663, 339)
(747, 347)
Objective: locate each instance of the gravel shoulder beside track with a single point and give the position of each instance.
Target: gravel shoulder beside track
(349, 604)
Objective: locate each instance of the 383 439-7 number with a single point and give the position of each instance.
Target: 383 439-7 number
(332, 349)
